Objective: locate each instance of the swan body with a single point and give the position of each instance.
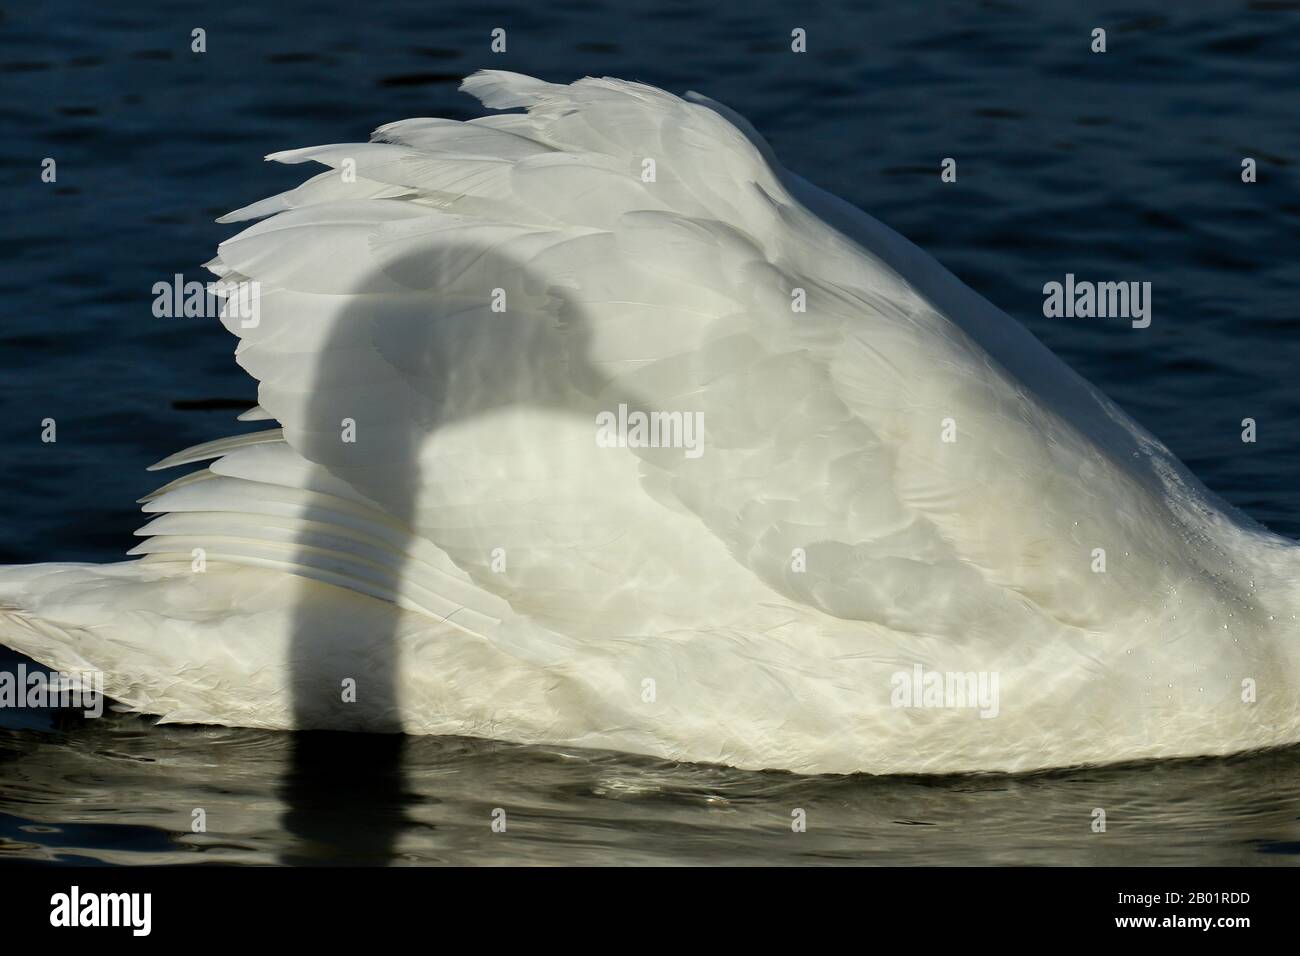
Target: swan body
(896, 480)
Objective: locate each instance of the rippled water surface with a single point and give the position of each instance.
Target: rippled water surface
(1122, 166)
(123, 791)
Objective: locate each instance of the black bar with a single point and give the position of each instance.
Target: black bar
(216, 904)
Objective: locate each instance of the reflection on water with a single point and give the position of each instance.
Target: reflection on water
(120, 790)
(344, 797)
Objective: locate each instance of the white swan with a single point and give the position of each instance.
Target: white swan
(471, 302)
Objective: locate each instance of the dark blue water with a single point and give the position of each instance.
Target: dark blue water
(1122, 166)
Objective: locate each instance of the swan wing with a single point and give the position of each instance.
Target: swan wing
(442, 332)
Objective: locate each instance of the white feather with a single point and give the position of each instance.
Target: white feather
(476, 554)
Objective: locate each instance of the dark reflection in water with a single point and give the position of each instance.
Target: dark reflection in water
(62, 799)
(343, 798)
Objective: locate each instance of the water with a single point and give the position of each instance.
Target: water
(121, 791)
(1122, 166)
